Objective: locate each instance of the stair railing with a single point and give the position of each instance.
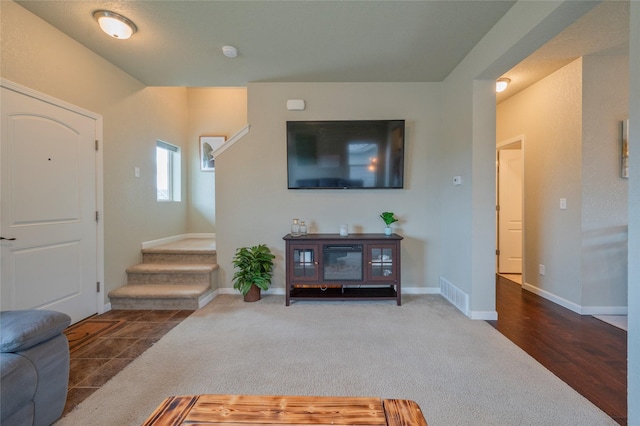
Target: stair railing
(233, 139)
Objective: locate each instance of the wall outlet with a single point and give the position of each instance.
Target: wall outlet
(541, 269)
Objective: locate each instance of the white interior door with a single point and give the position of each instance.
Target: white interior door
(47, 207)
(510, 211)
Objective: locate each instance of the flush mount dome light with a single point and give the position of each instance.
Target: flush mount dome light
(502, 84)
(117, 26)
(229, 51)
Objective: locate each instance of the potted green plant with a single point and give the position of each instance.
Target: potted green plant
(388, 219)
(254, 267)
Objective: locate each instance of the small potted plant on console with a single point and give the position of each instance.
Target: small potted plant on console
(388, 219)
(254, 270)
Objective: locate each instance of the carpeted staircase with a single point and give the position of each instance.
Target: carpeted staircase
(177, 275)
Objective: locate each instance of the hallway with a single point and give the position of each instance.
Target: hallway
(586, 353)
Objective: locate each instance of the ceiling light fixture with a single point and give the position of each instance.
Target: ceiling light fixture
(502, 84)
(229, 51)
(117, 26)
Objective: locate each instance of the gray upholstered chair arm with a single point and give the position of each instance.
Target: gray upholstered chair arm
(22, 330)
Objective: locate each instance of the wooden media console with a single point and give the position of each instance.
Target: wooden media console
(355, 267)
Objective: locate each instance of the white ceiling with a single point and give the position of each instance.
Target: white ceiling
(179, 42)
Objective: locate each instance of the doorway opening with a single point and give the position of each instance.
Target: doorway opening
(509, 209)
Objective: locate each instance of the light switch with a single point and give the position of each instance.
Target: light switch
(136, 172)
(563, 203)
(457, 180)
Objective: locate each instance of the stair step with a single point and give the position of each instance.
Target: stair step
(186, 245)
(150, 268)
(160, 273)
(158, 296)
(190, 250)
(179, 257)
(160, 291)
(177, 275)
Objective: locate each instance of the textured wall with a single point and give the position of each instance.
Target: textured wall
(253, 202)
(36, 55)
(604, 192)
(633, 387)
(468, 143)
(570, 122)
(214, 112)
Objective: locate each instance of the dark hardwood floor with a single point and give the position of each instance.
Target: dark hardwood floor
(586, 353)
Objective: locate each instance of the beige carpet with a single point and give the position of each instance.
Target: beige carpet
(461, 372)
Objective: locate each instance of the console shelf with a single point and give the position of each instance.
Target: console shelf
(331, 267)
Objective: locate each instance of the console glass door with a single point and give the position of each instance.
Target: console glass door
(382, 263)
(305, 262)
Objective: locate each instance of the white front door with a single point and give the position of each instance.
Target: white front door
(47, 207)
(510, 212)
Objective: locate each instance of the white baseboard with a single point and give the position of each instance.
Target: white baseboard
(281, 290)
(461, 296)
(421, 290)
(484, 315)
(552, 297)
(208, 298)
(582, 310)
(475, 315)
(605, 310)
(153, 243)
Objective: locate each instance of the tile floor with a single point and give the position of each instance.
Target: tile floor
(102, 345)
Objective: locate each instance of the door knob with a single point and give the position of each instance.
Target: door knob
(9, 239)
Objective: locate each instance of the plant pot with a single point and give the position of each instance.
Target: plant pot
(387, 230)
(253, 295)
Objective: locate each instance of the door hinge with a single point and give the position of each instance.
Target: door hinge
(97, 144)
(97, 216)
(497, 252)
(497, 208)
(98, 287)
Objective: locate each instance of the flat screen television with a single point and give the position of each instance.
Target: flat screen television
(348, 154)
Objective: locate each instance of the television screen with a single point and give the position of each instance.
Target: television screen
(367, 154)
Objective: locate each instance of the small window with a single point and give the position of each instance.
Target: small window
(167, 172)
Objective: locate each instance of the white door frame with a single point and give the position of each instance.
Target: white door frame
(511, 143)
(100, 306)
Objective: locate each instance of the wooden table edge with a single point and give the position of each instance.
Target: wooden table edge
(403, 412)
(174, 410)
